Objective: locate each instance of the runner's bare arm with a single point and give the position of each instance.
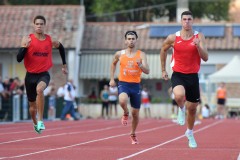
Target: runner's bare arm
(143, 65)
(169, 41)
(113, 68)
(201, 47)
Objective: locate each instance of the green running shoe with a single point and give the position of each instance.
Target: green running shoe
(40, 125)
(36, 130)
(181, 116)
(191, 141)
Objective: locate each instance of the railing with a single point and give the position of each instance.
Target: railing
(15, 108)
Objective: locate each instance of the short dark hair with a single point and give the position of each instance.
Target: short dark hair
(131, 33)
(186, 13)
(39, 17)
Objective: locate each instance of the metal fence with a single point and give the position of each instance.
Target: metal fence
(15, 108)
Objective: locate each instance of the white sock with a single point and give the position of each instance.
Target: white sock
(183, 108)
(189, 131)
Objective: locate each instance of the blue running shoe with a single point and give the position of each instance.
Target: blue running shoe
(191, 141)
(36, 130)
(40, 125)
(181, 116)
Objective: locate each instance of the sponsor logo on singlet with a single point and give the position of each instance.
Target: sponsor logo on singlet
(40, 54)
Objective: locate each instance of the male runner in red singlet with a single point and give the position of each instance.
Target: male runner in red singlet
(36, 50)
(188, 50)
(132, 63)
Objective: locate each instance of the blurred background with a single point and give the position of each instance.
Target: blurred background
(93, 30)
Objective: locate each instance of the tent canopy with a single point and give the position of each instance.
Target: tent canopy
(230, 73)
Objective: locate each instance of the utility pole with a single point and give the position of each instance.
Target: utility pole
(182, 5)
(82, 2)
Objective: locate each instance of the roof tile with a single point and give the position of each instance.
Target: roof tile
(16, 21)
(114, 32)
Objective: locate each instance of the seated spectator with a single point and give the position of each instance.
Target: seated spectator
(206, 111)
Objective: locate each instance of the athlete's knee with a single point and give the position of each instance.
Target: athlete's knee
(32, 106)
(192, 110)
(135, 113)
(179, 98)
(40, 90)
(123, 100)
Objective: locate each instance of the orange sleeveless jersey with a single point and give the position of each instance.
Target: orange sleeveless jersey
(39, 55)
(185, 57)
(221, 93)
(129, 70)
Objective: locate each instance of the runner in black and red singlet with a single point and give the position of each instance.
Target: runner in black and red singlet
(188, 50)
(36, 50)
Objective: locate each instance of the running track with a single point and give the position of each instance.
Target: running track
(108, 140)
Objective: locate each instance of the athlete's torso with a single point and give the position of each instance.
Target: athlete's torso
(129, 69)
(221, 93)
(39, 55)
(185, 57)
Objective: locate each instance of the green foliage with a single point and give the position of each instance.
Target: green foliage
(136, 10)
(130, 10)
(216, 10)
(133, 10)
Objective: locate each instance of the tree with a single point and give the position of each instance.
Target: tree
(214, 10)
(134, 10)
(131, 10)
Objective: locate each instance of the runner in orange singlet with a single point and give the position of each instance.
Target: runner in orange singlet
(188, 50)
(132, 63)
(221, 100)
(36, 50)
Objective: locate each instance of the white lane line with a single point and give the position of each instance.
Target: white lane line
(76, 125)
(238, 156)
(92, 141)
(66, 133)
(177, 138)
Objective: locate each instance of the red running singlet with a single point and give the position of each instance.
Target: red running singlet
(39, 55)
(185, 57)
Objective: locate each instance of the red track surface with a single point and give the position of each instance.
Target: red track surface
(108, 140)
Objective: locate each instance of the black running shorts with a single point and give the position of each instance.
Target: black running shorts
(31, 82)
(191, 84)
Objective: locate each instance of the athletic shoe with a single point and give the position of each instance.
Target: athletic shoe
(124, 119)
(40, 125)
(181, 116)
(134, 139)
(36, 130)
(191, 141)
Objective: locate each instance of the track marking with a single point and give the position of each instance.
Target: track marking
(238, 156)
(177, 138)
(63, 134)
(51, 129)
(83, 143)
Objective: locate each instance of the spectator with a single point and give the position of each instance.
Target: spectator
(69, 98)
(221, 100)
(145, 96)
(113, 97)
(60, 91)
(104, 97)
(92, 97)
(52, 105)
(206, 111)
